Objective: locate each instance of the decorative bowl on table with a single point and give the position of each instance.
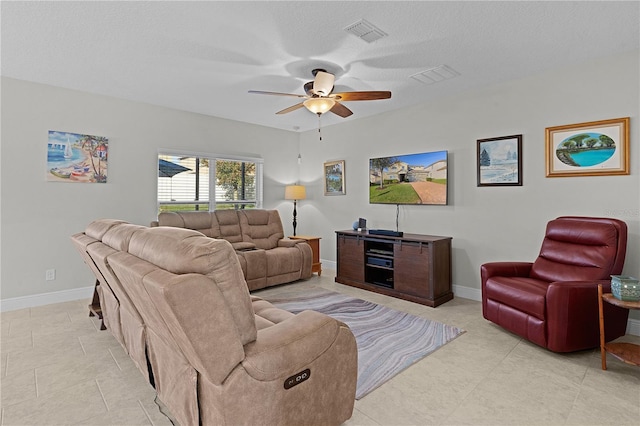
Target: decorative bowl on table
(625, 288)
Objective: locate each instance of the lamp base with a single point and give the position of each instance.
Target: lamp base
(295, 214)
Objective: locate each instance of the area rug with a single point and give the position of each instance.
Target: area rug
(388, 340)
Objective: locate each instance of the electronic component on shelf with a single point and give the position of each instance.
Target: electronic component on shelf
(386, 232)
(377, 261)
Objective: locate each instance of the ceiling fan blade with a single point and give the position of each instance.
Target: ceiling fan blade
(362, 96)
(291, 108)
(341, 110)
(323, 83)
(260, 92)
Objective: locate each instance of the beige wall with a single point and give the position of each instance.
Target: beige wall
(38, 216)
(486, 223)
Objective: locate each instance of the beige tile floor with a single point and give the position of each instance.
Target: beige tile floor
(59, 369)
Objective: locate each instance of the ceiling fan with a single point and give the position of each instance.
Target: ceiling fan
(320, 99)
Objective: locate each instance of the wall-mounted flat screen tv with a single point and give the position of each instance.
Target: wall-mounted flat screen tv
(409, 179)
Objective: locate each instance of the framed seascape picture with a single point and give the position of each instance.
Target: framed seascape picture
(334, 178)
(76, 158)
(499, 161)
(588, 149)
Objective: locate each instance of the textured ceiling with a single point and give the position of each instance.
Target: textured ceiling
(204, 56)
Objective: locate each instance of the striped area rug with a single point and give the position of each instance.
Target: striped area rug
(388, 341)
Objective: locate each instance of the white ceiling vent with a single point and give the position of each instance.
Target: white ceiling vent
(365, 31)
(434, 75)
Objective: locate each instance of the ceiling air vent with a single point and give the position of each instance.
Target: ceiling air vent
(435, 75)
(366, 31)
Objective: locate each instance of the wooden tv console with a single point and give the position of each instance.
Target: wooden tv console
(413, 267)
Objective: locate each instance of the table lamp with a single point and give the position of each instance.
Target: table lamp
(295, 193)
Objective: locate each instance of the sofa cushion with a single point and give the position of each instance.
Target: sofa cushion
(518, 322)
(98, 228)
(621, 228)
(524, 294)
(119, 236)
(266, 313)
(204, 222)
(229, 225)
(253, 264)
(177, 297)
(183, 251)
(563, 256)
(283, 260)
(261, 227)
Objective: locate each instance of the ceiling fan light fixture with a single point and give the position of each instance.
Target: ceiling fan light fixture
(319, 105)
(323, 83)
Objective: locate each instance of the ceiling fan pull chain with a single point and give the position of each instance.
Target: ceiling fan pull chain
(319, 126)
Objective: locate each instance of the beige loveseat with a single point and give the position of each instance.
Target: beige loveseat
(178, 303)
(257, 236)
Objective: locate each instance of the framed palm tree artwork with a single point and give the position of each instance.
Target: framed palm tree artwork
(588, 149)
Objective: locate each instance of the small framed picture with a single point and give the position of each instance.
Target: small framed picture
(334, 183)
(499, 161)
(588, 149)
(76, 158)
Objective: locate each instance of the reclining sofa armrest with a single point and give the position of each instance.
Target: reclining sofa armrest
(504, 269)
(290, 345)
(572, 312)
(288, 242)
(243, 246)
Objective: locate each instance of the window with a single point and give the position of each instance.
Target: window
(192, 182)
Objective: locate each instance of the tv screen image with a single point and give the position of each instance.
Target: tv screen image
(409, 179)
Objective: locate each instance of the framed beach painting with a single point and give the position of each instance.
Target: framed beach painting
(334, 178)
(76, 158)
(499, 161)
(588, 149)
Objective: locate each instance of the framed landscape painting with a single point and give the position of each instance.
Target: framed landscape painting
(500, 161)
(588, 149)
(76, 158)
(334, 178)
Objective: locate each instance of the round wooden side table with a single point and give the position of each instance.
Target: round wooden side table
(625, 352)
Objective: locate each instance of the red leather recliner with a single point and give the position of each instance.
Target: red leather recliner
(553, 301)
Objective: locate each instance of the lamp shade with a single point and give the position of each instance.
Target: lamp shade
(295, 192)
(319, 105)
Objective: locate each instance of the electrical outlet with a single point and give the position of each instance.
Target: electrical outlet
(50, 274)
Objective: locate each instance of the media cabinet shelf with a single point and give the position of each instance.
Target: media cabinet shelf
(413, 267)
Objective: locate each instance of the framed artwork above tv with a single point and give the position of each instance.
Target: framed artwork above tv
(419, 179)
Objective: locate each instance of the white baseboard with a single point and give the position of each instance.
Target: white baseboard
(13, 304)
(467, 293)
(16, 303)
(633, 327)
(329, 264)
